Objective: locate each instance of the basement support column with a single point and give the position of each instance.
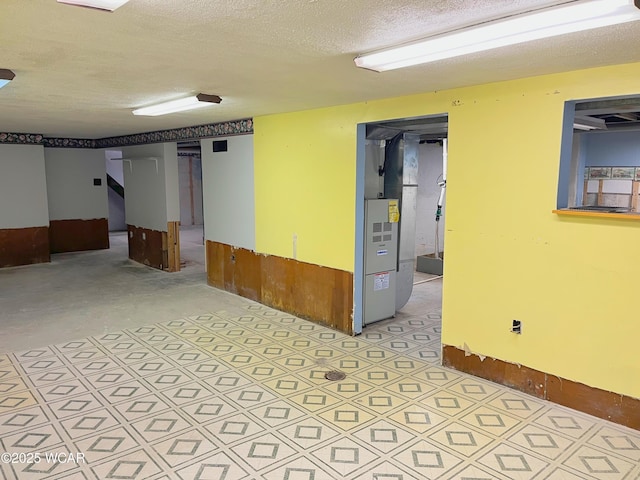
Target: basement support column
(152, 205)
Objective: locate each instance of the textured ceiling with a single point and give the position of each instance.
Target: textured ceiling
(80, 72)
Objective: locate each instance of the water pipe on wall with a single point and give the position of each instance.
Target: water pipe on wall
(443, 185)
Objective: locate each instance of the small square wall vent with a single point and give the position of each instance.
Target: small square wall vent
(219, 145)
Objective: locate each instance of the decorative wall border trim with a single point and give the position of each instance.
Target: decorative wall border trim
(222, 129)
(237, 127)
(21, 138)
(68, 143)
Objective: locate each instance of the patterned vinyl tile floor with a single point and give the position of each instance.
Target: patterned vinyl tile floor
(242, 395)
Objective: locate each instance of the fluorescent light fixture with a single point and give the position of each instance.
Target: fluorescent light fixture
(198, 101)
(549, 22)
(589, 123)
(6, 76)
(109, 5)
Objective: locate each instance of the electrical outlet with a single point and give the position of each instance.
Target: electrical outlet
(516, 327)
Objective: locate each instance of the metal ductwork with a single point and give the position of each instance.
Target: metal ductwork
(401, 182)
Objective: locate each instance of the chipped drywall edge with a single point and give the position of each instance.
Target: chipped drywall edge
(468, 352)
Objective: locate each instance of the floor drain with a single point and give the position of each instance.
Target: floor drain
(335, 375)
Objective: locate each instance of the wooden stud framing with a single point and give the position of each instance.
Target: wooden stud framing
(600, 194)
(171, 244)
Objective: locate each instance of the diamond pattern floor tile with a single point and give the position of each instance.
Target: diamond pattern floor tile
(133, 465)
(461, 439)
(89, 424)
(619, 441)
(184, 448)
(427, 459)
(513, 463)
(160, 426)
(309, 433)
(106, 444)
(216, 466)
(347, 416)
(344, 456)
(43, 469)
(262, 452)
(234, 429)
(39, 439)
(599, 464)
(384, 437)
(300, 468)
(242, 394)
(208, 410)
(417, 418)
(543, 442)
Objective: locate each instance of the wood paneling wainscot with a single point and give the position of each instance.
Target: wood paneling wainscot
(611, 406)
(24, 246)
(78, 235)
(321, 294)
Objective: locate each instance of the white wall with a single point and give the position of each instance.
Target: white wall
(429, 173)
(228, 192)
(113, 162)
(190, 184)
(172, 182)
(116, 212)
(23, 187)
(70, 189)
(151, 196)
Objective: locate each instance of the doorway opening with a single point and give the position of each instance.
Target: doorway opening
(401, 166)
(191, 206)
(182, 243)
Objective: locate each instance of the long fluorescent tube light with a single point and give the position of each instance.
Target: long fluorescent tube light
(198, 101)
(549, 22)
(6, 76)
(109, 5)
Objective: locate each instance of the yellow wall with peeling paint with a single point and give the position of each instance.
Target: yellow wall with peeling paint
(571, 281)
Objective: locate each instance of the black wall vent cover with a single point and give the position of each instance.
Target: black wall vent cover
(219, 145)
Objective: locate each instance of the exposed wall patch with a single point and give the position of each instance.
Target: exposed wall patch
(611, 406)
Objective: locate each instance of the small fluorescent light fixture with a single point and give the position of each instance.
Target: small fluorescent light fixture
(198, 101)
(549, 22)
(109, 5)
(6, 76)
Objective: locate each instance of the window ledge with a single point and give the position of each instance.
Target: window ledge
(573, 212)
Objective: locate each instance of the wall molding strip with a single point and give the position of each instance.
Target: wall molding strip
(222, 129)
(21, 138)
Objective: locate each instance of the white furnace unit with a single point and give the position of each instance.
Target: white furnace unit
(380, 259)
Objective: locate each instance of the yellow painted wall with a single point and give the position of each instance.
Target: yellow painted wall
(572, 282)
(305, 177)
